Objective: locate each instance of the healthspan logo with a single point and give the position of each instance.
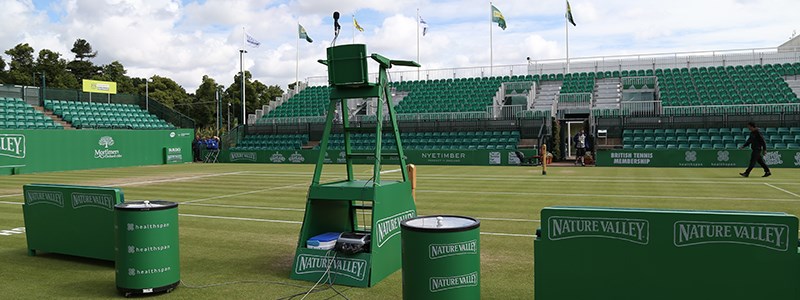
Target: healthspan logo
(797, 159)
(12, 145)
(630, 230)
(723, 156)
(106, 153)
(691, 156)
(773, 158)
(770, 236)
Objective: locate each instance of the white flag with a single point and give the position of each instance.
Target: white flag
(424, 25)
(251, 41)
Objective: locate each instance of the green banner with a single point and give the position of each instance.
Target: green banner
(30, 151)
(73, 220)
(665, 254)
(694, 158)
(419, 157)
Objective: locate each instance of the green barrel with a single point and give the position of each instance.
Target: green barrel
(441, 258)
(147, 249)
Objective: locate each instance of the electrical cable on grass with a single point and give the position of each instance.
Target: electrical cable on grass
(183, 283)
(327, 272)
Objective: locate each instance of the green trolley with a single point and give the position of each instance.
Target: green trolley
(147, 248)
(441, 258)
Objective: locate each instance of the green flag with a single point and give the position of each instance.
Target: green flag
(304, 34)
(498, 18)
(569, 15)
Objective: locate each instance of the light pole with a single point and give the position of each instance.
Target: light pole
(42, 93)
(241, 71)
(229, 117)
(147, 94)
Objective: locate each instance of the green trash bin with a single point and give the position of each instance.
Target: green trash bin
(147, 249)
(441, 258)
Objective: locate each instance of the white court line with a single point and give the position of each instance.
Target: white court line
(538, 180)
(11, 203)
(302, 210)
(153, 181)
(508, 234)
(391, 171)
(246, 207)
(604, 195)
(241, 219)
(298, 222)
(782, 190)
(246, 193)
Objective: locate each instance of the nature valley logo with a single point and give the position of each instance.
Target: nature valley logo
(106, 153)
(81, 200)
(771, 236)
(630, 230)
(44, 197)
(438, 284)
(390, 226)
(12, 145)
(277, 158)
(297, 158)
(446, 250)
(349, 267)
(244, 156)
(773, 158)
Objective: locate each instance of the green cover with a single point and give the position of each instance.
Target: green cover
(600, 253)
(63, 150)
(72, 220)
(418, 157)
(148, 255)
(441, 265)
(694, 158)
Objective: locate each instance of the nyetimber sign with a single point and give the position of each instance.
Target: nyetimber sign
(12, 145)
(631, 230)
(771, 236)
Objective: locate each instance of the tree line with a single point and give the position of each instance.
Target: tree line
(26, 69)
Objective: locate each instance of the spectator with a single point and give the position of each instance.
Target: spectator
(196, 146)
(581, 143)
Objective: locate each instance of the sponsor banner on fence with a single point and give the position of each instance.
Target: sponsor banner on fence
(61, 150)
(420, 157)
(694, 158)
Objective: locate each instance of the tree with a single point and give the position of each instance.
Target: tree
(2, 70)
(54, 68)
(257, 94)
(22, 65)
(203, 109)
(167, 91)
(83, 50)
(115, 72)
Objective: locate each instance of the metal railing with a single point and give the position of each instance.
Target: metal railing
(650, 61)
(290, 120)
(574, 101)
(792, 108)
(640, 108)
(639, 83)
(505, 112)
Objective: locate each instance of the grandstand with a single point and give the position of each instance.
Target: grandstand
(88, 115)
(17, 114)
(660, 96)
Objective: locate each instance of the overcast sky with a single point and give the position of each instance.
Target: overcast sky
(185, 40)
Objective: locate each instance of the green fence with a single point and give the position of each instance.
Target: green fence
(73, 220)
(419, 157)
(31, 151)
(599, 253)
(694, 158)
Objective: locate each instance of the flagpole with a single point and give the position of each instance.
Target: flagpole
(418, 23)
(297, 62)
(241, 70)
(491, 41)
(566, 29)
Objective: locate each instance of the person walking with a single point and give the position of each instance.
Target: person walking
(580, 146)
(759, 146)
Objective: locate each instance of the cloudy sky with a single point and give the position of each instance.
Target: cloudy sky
(186, 39)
